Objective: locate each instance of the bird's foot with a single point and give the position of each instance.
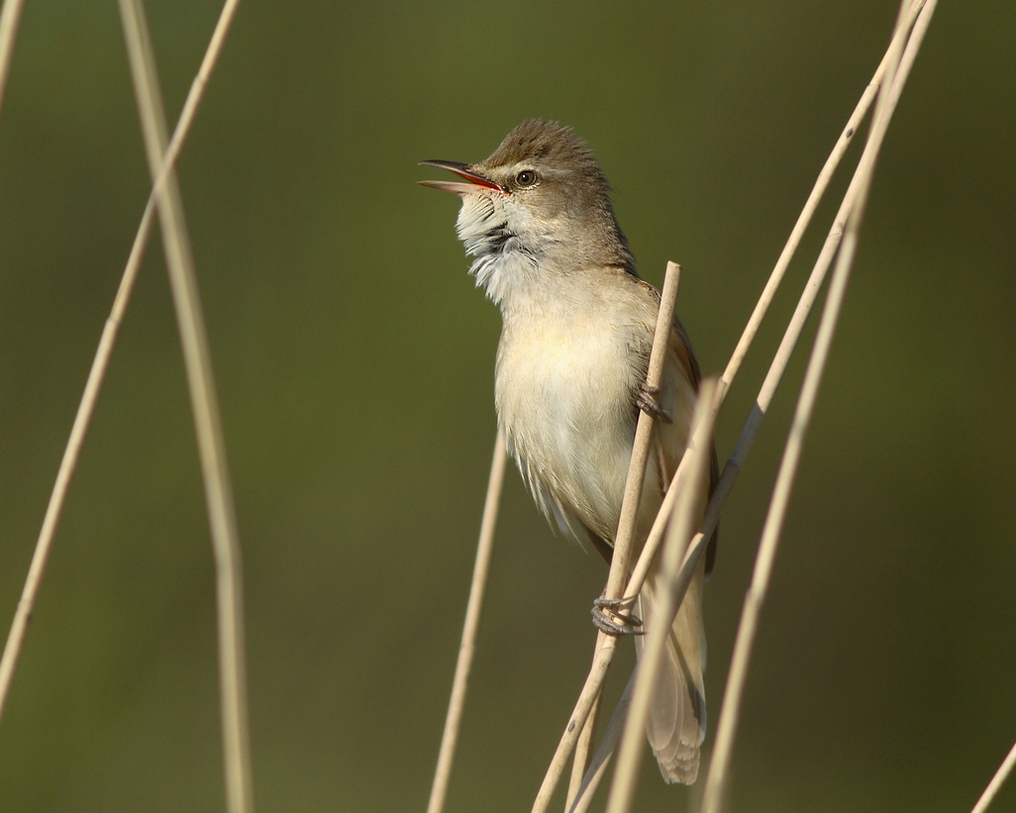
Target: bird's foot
(646, 401)
(613, 616)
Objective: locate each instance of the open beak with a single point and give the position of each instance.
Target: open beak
(477, 183)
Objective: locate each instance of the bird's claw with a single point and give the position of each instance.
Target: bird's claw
(612, 616)
(645, 400)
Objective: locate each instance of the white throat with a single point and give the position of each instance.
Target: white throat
(511, 247)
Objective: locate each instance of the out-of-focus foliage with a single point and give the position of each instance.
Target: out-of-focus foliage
(354, 363)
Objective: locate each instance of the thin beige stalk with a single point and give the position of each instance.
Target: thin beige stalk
(86, 408)
(211, 446)
(643, 437)
(468, 645)
(762, 306)
(587, 697)
(622, 790)
(30, 592)
(608, 742)
(734, 464)
(804, 219)
(995, 785)
(605, 644)
(10, 16)
(719, 769)
(582, 749)
(194, 96)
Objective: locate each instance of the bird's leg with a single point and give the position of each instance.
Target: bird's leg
(645, 400)
(613, 616)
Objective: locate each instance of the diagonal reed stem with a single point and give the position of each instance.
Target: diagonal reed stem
(439, 789)
(10, 16)
(643, 438)
(995, 785)
(208, 426)
(719, 769)
(86, 408)
(583, 797)
(583, 747)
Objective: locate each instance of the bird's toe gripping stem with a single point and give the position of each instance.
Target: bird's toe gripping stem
(613, 616)
(645, 399)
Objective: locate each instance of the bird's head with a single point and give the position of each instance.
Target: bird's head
(541, 193)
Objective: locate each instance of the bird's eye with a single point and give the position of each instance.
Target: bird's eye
(526, 178)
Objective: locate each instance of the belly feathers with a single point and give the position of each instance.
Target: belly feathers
(564, 404)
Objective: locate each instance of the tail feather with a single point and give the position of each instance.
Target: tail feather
(677, 717)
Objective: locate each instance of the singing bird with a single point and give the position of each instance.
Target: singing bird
(577, 329)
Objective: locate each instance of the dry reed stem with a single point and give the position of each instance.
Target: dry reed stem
(211, 446)
(581, 758)
(643, 437)
(468, 645)
(590, 691)
(803, 221)
(719, 769)
(765, 299)
(633, 741)
(608, 742)
(604, 650)
(97, 373)
(995, 785)
(10, 16)
(194, 96)
(734, 464)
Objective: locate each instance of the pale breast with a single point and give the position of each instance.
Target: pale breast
(564, 399)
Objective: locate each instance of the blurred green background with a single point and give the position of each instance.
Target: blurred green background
(355, 368)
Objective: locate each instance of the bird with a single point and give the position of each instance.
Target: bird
(570, 377)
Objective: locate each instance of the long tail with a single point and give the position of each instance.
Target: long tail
(677, 716)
